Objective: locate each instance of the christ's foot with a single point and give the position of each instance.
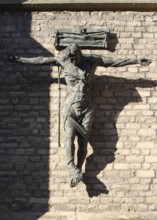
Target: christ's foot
(76, 179)
(76, 175)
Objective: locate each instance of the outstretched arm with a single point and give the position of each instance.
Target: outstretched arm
(34, 60)
(109, 62)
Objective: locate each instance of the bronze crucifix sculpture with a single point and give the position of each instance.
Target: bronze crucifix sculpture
(79, 73)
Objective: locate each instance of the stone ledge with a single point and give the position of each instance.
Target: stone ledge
(79, 216)
(84, 5)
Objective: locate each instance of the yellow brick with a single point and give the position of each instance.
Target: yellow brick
(133, 69)
(133, 126)
(145, 145)
(59, 200)
(135, 166)
(152, 199)
(146, 166)
(121, 166)
(135, 159)
(139, 187)
(152, 100)
(145, 173)
(148, 113)
(151, 159)
(142, 106)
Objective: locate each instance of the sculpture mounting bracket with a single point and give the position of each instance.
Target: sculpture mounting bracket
(85, 38)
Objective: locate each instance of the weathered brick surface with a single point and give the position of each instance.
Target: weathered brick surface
(120, 169)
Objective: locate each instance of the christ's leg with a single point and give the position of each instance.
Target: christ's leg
(83, 141)
(82, 151)
(75, 173)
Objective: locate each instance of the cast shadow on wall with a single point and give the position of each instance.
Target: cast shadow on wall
(113, 94)
(24, 120)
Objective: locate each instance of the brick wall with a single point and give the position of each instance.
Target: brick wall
(120, 169)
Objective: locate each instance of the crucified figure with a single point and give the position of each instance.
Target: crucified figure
(79, 73)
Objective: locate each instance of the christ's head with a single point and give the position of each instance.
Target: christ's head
(74, 53)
